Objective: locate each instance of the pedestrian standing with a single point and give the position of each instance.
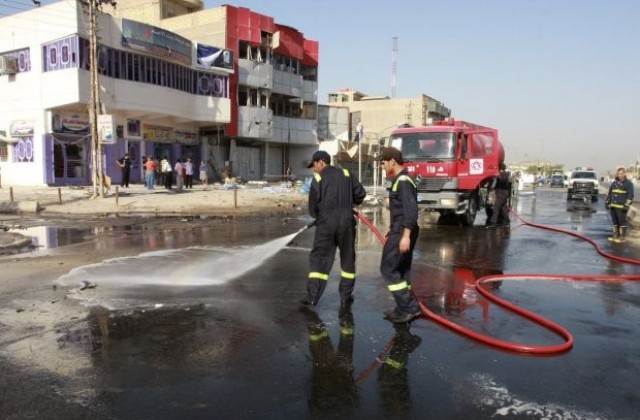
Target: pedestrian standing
(619, 199)
(332, 195)
(150, 172)
(167, 172)
(203, 173)
(125, 165)
(500, 211)
(188, 174)
(179, 171)
(397, 253)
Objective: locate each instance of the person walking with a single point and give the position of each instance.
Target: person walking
(150, 172)
(397, 253)
(500, 211)
(125, 165)
(188, 174)
(332, 195)
(619, 199)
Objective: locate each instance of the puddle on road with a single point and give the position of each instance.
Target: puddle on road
(50, 237)
(155, 276)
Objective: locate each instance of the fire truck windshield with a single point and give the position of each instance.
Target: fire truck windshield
(425, 146)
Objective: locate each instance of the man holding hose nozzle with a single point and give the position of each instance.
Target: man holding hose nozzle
(332, 195)
(397, 253)
(619, 199)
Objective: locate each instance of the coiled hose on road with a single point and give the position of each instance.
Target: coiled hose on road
(548, 324)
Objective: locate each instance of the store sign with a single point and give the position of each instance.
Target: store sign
(157, 133)
(186, 137)
(156, 41)
(106, 128)
(67, 122)
(213, 57)
(21, 128)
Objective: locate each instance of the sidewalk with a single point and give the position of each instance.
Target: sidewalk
(259, 199)
(247, 200)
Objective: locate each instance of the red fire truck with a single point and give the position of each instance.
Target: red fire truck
(453, 163)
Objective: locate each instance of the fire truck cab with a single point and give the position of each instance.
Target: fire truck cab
(453, 163)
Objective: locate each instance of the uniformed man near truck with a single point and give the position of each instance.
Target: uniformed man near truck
(502, 188)
(397, 254)
(332, 195)
(619, 199)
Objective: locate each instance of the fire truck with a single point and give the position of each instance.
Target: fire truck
(453, 163)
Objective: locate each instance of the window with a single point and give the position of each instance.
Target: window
(65, 54)
(4, 151)
(53, 59)
(133, 128)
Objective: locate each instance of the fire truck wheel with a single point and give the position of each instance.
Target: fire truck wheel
(469, 216)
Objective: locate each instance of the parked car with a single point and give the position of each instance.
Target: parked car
(556, 181)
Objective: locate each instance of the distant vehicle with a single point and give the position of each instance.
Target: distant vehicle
(583, 184)
(556, 181)
(566, 181)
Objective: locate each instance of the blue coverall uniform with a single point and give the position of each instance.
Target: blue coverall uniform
(619, 198)
(332, 196)
(394, 265)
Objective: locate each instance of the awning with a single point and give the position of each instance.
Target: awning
(8, 139)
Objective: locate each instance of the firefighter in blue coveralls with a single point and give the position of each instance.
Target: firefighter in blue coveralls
(502, 188)
(401, 238)
(332, 195)
(619, 198)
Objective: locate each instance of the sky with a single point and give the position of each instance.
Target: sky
(560, 79)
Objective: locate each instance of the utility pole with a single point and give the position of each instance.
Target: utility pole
(94, 103)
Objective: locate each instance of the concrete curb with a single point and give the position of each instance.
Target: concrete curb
(20, 207)
(12, 242)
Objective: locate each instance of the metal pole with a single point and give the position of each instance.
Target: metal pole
(92, 109)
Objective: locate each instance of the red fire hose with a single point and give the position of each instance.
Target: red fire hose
(549, 325)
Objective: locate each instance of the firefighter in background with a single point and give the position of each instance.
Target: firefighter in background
(397, 253)
(393, 377)
(332, 195)
(334, 393)
(619, 198)
(500, 211)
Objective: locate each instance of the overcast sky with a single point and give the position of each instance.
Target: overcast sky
(560, 79)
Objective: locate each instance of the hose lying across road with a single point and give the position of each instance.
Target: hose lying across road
(549, 325)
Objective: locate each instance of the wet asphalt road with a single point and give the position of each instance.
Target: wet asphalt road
(243, 348)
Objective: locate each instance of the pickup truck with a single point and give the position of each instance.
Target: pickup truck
(583, 184)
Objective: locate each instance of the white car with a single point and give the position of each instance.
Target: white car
(583, 183)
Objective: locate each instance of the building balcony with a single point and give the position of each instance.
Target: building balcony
(287, 83)
(255, 74)
(254, 122)
(298, 131)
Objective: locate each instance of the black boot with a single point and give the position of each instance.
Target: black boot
(346, 291)
(621, 237)
(616, 234)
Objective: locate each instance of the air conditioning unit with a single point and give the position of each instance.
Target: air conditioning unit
(8, 64)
